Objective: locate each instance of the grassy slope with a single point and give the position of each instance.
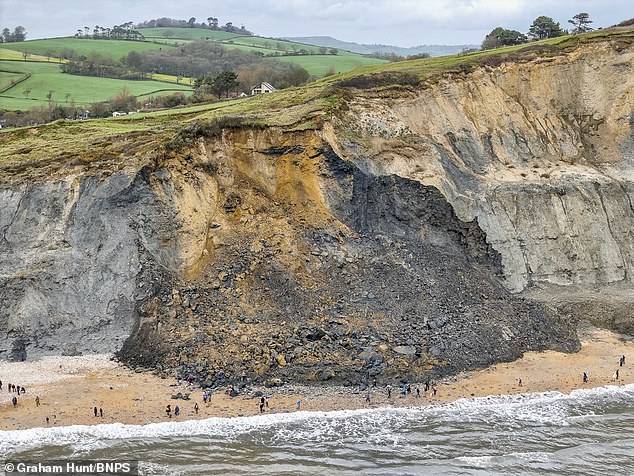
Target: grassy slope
(8, 78)
(186, 33)
(113, 48)
(7, 54)
(293, 107)
(318, 65)
(47, 77)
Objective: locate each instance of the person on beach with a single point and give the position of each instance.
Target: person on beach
(621, 363)
(14, 400)
(177, 411)
(95, 411)
(426, 386)
(389, 392)
(417, 391)
(47, 420)
(205, 397)
(18, 390)
(266, 402)
(196, 407)
(262, 404)
(37, 401)
(585, 377)
(433, 391)
(244, 377)
(367, 398)
(100, 412)
(615, 375)
(519, 382)
(299, 404)
(404, 391)
(168, 411)
(0, 384)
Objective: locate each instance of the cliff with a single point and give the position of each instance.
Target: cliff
(395, 223)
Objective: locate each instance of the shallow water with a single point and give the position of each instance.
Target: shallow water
(586, 432)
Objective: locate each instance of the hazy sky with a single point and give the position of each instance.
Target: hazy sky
(399, 22)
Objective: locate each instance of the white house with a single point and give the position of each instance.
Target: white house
(262, 88)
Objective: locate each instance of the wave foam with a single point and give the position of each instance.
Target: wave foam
(369, 425)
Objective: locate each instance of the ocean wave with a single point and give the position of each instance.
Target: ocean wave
(379, 426)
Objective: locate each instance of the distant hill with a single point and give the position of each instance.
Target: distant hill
(330, 42)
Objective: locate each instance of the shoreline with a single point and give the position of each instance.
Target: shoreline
(70, 387)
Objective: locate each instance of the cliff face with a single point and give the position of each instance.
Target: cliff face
(539, 153)
(424, 231)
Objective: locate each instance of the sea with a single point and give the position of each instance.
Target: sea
(587, 432)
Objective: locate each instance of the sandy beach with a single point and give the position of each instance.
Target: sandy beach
(70, 387)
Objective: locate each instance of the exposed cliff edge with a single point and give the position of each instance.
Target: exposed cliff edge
(419, 229)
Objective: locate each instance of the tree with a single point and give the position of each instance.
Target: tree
(192, 22)
(49, 95)
(224, 82)
(503, 37)
(545, 27)
(27, 93)
(580, 22)
(7, 37)
(19, 33)
(334, 51)
(123, 101)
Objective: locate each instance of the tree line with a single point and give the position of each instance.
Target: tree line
(542, 27)
(125, 31)
(18, 34)
(211, 24)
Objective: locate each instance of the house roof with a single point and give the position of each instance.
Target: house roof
(266, 85)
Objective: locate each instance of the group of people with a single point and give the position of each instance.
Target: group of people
(98, 413)
(14, 388)
(615, 374)
(406, 389)
(19, 390)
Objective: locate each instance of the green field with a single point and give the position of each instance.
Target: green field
(113, 48)
(83, 90)
(6, 54)
(186, 33)
(317, 65)
(8, 78)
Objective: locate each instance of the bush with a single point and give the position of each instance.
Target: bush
(371, 81)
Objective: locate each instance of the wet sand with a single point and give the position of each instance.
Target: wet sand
(70, 387)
